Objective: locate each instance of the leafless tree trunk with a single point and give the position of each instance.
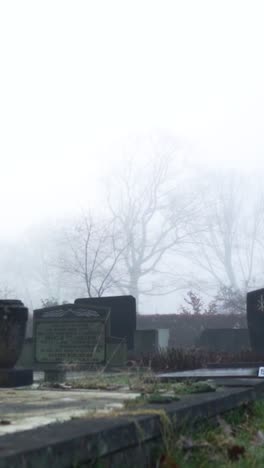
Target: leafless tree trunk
(225, 243)
(90, 253)
(141, 210)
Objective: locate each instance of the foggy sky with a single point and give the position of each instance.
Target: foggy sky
(80, 78)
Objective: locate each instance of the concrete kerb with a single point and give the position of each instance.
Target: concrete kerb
(78, 441)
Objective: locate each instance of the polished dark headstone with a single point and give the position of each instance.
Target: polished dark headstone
(123, 318)
(255, 319)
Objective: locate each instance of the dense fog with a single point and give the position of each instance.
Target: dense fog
(132, 152)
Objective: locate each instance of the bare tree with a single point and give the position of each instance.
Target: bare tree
(141, 210)
(90, 253)
(225, 245)
(6, 292)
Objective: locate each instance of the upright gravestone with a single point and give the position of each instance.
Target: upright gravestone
(13, 320)
(70, 334)
(255, 319)
(123, 317)
(146, 341)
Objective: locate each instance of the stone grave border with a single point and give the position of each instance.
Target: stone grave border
(121, 440)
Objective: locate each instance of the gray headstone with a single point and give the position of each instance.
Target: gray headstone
(146, 341)
(163, 337)
(70, 335)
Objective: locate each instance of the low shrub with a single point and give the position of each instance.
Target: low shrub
(177, 359)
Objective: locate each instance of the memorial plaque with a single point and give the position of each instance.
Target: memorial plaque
(255, 319)
(70, 334)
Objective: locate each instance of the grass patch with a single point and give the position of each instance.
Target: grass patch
(141, 381)
(194, 387)
(154, 398)
(237, 441)
(144, 383)
(162, 393)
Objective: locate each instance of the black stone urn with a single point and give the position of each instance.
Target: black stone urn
(13, 321)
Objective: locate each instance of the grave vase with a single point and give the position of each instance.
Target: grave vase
(13, 320)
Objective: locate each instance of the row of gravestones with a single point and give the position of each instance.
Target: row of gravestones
(99, 330)
(90, 331)
(96, 331)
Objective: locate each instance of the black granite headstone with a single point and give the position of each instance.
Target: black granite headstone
(123, 317)
(255, 319)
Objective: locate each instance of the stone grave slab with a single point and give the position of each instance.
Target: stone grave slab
(234, 365)
(62, 429)
(70, 335)
(204, 374)
(24, 409)
(123, 317)
(237, 382)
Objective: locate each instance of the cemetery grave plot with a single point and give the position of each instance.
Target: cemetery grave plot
(64, 427)
(126, 418)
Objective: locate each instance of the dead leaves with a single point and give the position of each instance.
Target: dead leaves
(235, 452)
(5, 422)
(166, 461)
(57, 386)
(230, 443)
(221, 445)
